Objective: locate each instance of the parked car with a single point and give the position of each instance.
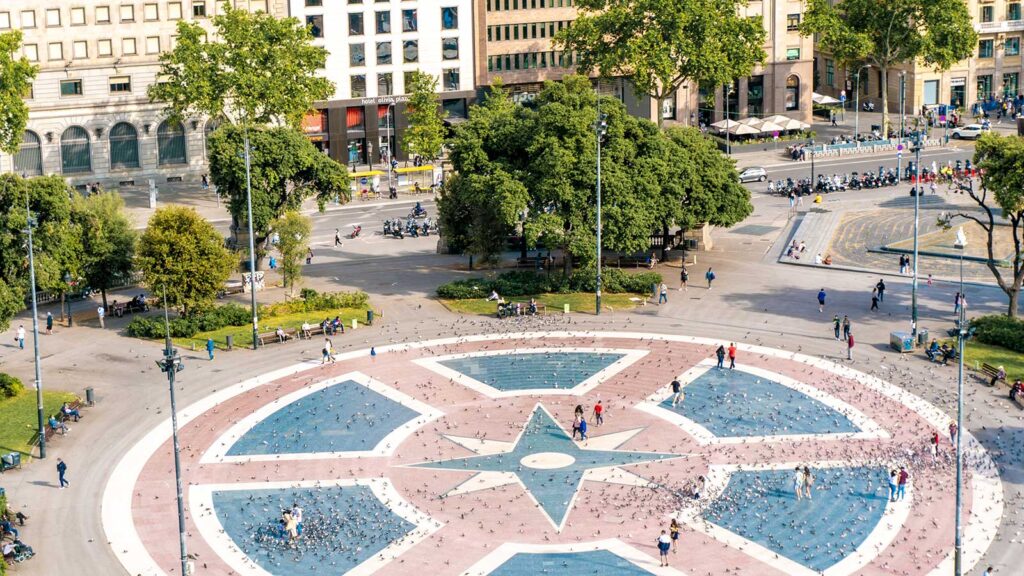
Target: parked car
(753, 174)
(969, 132)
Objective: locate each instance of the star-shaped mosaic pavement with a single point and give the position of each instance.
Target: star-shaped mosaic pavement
(548, 463)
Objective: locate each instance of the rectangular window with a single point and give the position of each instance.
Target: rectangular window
(449, 18)
(792, 53)
(80, 49)
(28, 18)
(120, 84)
(53, 17)
(755, 95)
(1013, 11)
(77, 16)
(355, 118)
(383, 52)
(987, 13)
(385, 84)
(55, 51)
(150, 12)
(931, 92)
(1011, 84)
(1012, 46)
(152, 45)
(199, 9)
(355, 24)
(985, 87)
(315, 24)
(451, 79)
(985, 48)
(409, 21)
(5, 20)
(314, 3)
(410, 51)
(174, 11)
(830, 73)
(128, 47)
(127, 13)
(70, 87)
(357, 55)
(450, 49)
(383, 20)
(257, 5)
(103, 14)
(104, 47)
(358, 82)
(31, 52)
(792, 22)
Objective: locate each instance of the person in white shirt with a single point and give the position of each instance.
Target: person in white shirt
(101, 313)
(20, 338)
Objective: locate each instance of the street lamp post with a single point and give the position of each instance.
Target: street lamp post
(961, 245)
(31, 223)
(856, 114)
(918, 144)
(252, 246)
(171, 365)
(600, 129)
(391, 149)
(899, 138)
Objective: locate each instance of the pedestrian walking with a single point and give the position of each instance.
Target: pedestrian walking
(956, 303)
(849, 346)
(987, 572)
(710, 277)
(874, 301)
(62, 469)
(673, 531)
(577, 417)
(732, 355)
(821, 300)
(901, 483)
(206, 182)
(684, 277)
(881, 290)
(664, 544)
(209, 347)
(846, 327)
(893, 476)
(273, 263)
(309, 255)
(798, 483)
(663, 294)
(792, 200)
(836, 325)
(808, 482)
(720, 353)
(583, 429)
(929, 281)
(337, 237)
(677, 390)
(952, 433)
(934, 441)
(598, 414)
(832, 117)
(101, 313)
(328, 351)
(49, 323)
(20, 336)
(903, 265)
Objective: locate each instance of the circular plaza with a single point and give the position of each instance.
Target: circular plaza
(461, 456)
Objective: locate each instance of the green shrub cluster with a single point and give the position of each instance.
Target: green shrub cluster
(525, 283)
(10, 386)
(313, 301)
(1000, 330)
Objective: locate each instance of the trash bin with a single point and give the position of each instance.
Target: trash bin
(922, 336)
(231, 341)
(369, 317)
(901, 342)
(90, 396)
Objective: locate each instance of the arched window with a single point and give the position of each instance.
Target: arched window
(211, 126)
(792, 93)
(170, 140)
(29, 159)
(124, 146)
(75, 151)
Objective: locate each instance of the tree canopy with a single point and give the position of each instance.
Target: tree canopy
(662, 44)
(536, 165)
(425, 134)
(108, 240)
(294, 231)
(886, 33)
(286, 170)
(183, 253)
(253, 69)
(16, 75)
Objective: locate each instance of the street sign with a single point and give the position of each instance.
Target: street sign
(899, 147)
(363, 181)
(842, 95)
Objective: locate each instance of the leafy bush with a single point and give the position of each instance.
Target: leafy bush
(153, 327)
(525, 283)
(1000, 330)
(10, 387)
(312, 301)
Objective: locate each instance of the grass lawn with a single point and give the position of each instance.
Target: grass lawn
(976, 354)
(577, 301)
(242, 335)
(18, 418)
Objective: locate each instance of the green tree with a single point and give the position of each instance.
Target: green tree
(286, 170)
(16, 75)
(108, 240)
(183, 253)
(662, 44)
(253, 69)
(887, 33)
(425, 134)
(294, 231)
(12, 301)
(1000, 208)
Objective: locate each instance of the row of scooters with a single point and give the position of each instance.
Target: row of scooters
(396, 228)
(835, 183)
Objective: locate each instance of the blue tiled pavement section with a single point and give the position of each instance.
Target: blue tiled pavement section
(546, 370)
(733, 403)
(596, 563)
(344, 417)
(846, 506)
(341, 528)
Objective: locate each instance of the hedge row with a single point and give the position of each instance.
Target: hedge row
(236, 315)
(525, 283)
(1000, 330)
(10, 386)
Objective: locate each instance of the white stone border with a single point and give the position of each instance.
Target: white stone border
(630, 357)
(506, 551)
(869, 430)
(118, 523)
(218, 453)
(205, 517)
(880, 537)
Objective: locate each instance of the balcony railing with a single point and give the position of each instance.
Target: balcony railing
(1001, 26)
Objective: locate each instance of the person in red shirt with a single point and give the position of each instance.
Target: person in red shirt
(901, 483)
(598, 414)
(849, 346)
(732, 355)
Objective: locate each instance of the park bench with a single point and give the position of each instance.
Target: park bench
(991, 372)
(229, 289)
(532, 262)
(507, 310)
(272, 337)
(61, 417)
(119, 309)
(314, 330)
(620, 261)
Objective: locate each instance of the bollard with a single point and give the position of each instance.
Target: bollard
(355, 324)
(231, 341)
(90, 396)
(565, 308)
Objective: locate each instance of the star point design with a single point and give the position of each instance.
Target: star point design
(547, 462)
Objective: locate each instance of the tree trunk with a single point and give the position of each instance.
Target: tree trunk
(884, 71)
(61, 306)
(103, 297)
(665, 241)
(1014, 295)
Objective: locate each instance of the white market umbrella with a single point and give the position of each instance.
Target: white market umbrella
(725, 124)
(751, 121)
(823, 99)
(743, 130)
(767, 127)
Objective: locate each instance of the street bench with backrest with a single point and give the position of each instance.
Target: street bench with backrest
(992, 374)
(119, 309)
(314, 330)
(619, 261)
(507, 310)
(61, 417)
(272, 337)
